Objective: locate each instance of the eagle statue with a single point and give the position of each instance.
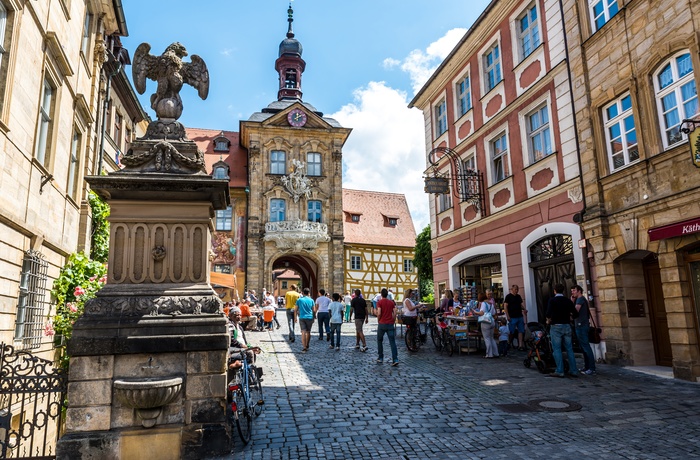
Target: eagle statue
(170, 73)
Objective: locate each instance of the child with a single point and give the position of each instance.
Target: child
(503, 335)
(337, 310)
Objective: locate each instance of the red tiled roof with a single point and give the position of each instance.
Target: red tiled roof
(236, 158)
(373, 227)
(288, 274)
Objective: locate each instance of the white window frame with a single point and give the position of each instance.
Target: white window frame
(674, 88)
(220, 172)
(224, 219)
(118, 120)
(494, 66)
(531, 33)
(440, 118)
(87, 27)
(278, 210)
(355, 262)
(74, 164)
(619, 121)
(543, 132)
(313, 164)
(408, 265)
(45, 122)
(463, 93)
(314, 207)
(469, 163)
(3, 30)
(221, 145)
(445, 200)
(605, 12)
(278, 166)
(499, 157)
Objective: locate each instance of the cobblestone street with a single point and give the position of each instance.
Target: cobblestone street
(329, 404)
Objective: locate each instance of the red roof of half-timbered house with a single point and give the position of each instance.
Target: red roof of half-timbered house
(377, 211)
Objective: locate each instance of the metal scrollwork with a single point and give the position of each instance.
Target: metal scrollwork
(468, 184)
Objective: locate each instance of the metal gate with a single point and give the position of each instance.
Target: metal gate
(32, 395)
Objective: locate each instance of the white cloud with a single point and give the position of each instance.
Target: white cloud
(390, 63)
(420, 64)
(226, 52)
(385, 151)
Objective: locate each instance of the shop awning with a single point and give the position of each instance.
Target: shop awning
(223, 280)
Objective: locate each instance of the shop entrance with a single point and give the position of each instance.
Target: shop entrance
(551, 262)
(657, 311)
(479, 274)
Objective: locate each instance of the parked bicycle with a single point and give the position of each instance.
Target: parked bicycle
(245, 396)
(416, 331)
(439, 331)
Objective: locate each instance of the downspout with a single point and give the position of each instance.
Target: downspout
(104, 117)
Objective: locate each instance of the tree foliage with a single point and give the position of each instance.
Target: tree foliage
(99, 247)
(423, 261)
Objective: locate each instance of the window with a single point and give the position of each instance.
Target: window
(74, 165)
(223, 268)
(118, 130)
(492, 67)
(3, 27)
(32, 300)
(277, 210)
(601, 12)
(539, 137)
(127, 139)
(464, 96)
(314, 211)
(355, 263)
(408, 265)
(85, 44)
(677, 96)
(313, 164)
(278, 162)
(499, 158)
(355, 217)
(620, 133)
(445, 202)
(221, 145)
(392, 221)
(441, 117)
(290, 78)
(220, 172)
(44, 127)
(284, 285)
(470, 184)
(528, 31)
(224, 218)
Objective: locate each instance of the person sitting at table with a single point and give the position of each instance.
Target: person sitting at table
(268, 316)
(248, 320)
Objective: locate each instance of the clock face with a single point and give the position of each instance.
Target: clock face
(296, 118)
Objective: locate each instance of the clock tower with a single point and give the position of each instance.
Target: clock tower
(295, 177)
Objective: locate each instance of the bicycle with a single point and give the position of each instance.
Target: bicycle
(439, 331)
(245, 397)
(414, 336)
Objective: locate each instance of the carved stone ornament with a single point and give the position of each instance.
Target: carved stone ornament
(296, 235)
(163, 156)
(296, 183)
(575, 194)
(158, 253)
(152, 306)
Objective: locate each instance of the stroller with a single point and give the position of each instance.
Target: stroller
(539, 346)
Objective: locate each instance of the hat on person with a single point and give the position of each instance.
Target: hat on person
(233, 310)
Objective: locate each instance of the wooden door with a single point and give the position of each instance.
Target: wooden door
(657, 312)
(546, 276)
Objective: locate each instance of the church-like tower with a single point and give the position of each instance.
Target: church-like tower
(289, 64)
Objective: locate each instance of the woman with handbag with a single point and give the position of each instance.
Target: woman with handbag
(486, 313)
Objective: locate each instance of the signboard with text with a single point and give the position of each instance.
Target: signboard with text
(437, 185)
(672, 230)
(694, 140)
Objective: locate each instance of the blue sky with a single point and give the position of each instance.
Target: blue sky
(365, 60)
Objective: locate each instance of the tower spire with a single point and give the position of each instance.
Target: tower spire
(290, 20)
(289, 64)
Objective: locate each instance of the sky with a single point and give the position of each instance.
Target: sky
(365, 61)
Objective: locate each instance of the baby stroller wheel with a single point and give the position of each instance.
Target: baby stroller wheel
(541, 367)
(527, 362)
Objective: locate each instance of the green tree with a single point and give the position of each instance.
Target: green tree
(423, 261)
(99, 248)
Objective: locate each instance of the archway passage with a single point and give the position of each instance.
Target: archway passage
(306, 268)
(552, 262)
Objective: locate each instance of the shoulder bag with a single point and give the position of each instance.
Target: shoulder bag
(487, 317)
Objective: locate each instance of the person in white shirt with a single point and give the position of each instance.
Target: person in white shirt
(347, 300)
(391, 295)
(336, 310)
(270, 298)
(322, 314)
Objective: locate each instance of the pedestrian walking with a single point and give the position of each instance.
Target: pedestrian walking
(336, 310)
(305, 314)
(560, 311)
(582, 325)
(347, 300)
(324, 318)
(485, 310)
(515, 314)
(358, 306)
(386, 314)
(290, 301)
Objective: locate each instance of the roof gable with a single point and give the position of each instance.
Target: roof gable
(375, 210)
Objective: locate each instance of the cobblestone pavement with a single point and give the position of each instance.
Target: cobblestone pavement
(329, 404)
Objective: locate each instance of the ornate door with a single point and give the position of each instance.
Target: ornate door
(552, 262)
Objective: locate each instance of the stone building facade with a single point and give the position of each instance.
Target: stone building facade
(499, 124)
(635, 67)
(295, 204)
(51, 93)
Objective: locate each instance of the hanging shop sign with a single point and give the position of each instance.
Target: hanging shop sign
(437, 185)
(694, 140)
(672, 230)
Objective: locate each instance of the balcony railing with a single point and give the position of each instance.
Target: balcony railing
(296, 235)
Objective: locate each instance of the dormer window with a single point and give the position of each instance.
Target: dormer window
(220, 170)
(392, 221)
(355, 217)
(222, 144)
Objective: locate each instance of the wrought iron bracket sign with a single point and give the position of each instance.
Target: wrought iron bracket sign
(468, 184)
(693, 138)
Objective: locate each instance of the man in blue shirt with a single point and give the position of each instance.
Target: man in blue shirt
(305, 313)
(560, 311)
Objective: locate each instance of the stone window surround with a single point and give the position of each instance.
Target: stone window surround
(518, 50)
(466, 75)
(619, 119)
(224, 220)
(488, 148)
(673, 87)
(496, 66)
(277, 162)
(440, 113)
(524, 121)
(278, 207)
(606, 12)
(72, 181)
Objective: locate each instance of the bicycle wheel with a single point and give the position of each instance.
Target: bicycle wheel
(449, 345)
(435, 336)
(244, 419)
(256, 394)
(411, 339)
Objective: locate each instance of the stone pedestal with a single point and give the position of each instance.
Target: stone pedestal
(157, 320)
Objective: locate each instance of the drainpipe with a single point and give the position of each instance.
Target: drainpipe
(104, 115)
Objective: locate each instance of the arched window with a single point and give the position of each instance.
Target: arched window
(551, 247)
(290, 78)
(220, 172)
(676, 96)
(278, 209)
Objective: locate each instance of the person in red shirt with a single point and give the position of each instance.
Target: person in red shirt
(386, 315)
